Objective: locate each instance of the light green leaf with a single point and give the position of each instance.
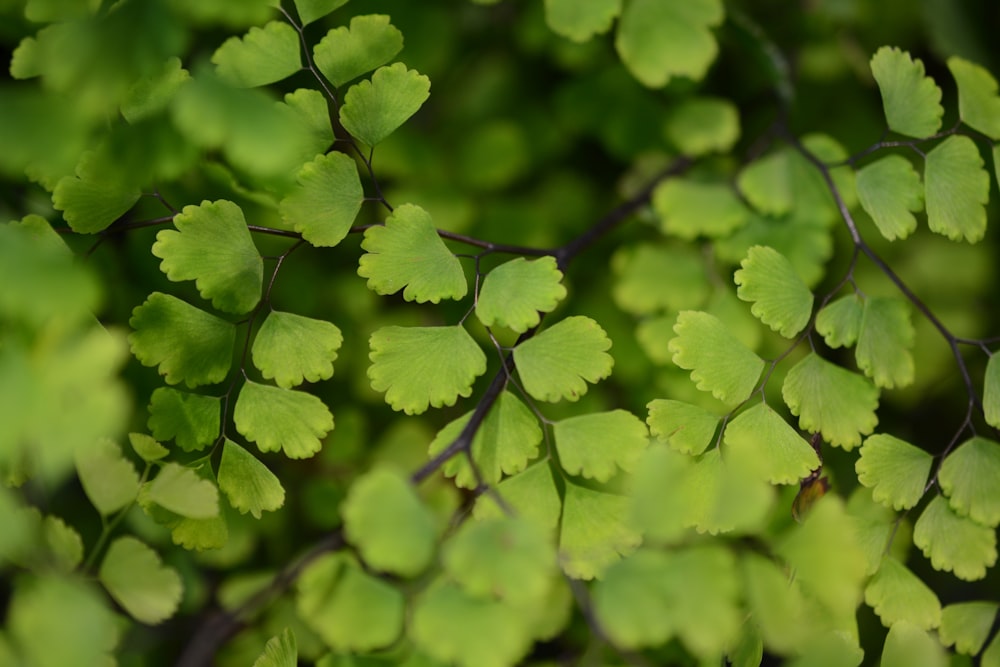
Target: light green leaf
(700, 125)
(418, 367)
(776, 603)
(688, 209)
(780, 299)
(109, 480)
(387, 522)
(633, 612)
(310, 10)
(978, 102)
(906, 645)
(991, 391)
(324, 204)
(599, 444)
(507, 439)
(831, 400)
(137, 579)
(954, 543)
(651, 278)
(874, 524)
(282, 419)
(896, 594)
(687, 428)
(966, 625)
(890, 191)
(200, 534)
(247, 482)
(760, 432)
(894, 470)
(290, 348)
(151, 93)
(719, 363)
(956, 189)
(186, 343)
(212, 246)
(991, 656)
(346, 53)
(63, 543)
(884, 342)
(579, 21)
(408, 253)
(766, 184)
(558, 362)
(373, 110)
(531, 494)
(279, 651)
(595, 531)
(969, 477)
(660, 40)
(911, 100)
(514, 293)
(308, 109)
(91, 200)
(192, 421)
(839, 322)
(182, 491)
(146, 446)
(262, 56)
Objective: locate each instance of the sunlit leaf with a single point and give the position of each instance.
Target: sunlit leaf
(63, 544)
(907, 645)
(978, 102)
(700, 125)
(346, 53)
(262, 56)
(372, 110)
(911, 100)
(956, 189)
(147, 447)
(191, 420)
(784, 456)
(530, 494)
(955, 543)
(597, 445)
(109, 480)
(890, 191)
(895, 470)
(780, 299)
(514, 293)
(719, 363)
(279, 651)
(884, 342)
(580, 21)
(839, 322)
(651, 278)
(290, 349)
(247, 482)
(595, 531)
(326, 200)
(137, 579)
(896, 594)
(686, 428)
(559, 362)
(966, 625)
(182, 491)
(282, 419)
(688, 209)
(969, 477)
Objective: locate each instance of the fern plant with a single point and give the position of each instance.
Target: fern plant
(371, 382)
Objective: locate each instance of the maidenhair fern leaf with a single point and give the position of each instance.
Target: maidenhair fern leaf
(991, 391)
(558, 362)
(685, 427)
(700, 125)
(896, 594)
(780, 299)
(147, 447)
(279, 651)
(634, 613)
(282, 419)
(839, 322)
(954, 543)
(184, 492)
(262, 56)
(766, 184)
(326, 200)
(894, 470)
(884, 342)
(775, 599)
(978, 102)
(247, 482)
(90, 200)
(689, 209)
(651, 278)
(346, 53)
(890, 191)
(514, 293)
(906, 645)
(136, 578)
(956, 189)
(191, 420)
(530, 494)
(372, 110)
(418, 367)
(966, 625)
(969, 477)
(581, 21)
(307, 108)
(595, 531)
(911, 100)
(290, 348)
(599, 444)
(761, 433)
(109, 480)
(310, 10)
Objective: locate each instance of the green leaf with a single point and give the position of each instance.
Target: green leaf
(308, 109)
(200, 534)
(186, 343)
(874, 524)
(279, 651)
(182, 491)
(991, 656)
(387, 522)
(599, 444)
(192, 421)
(661, 40)
(651, 278)
(785, 457)
(310, 10)
(839, 322)
(831, 400)
(766, 184)
(969, 477)
(373, 110)
(688, 209)
(777, 605)
(346, 53)
(514, 293)
(966, 625)
(136, 578)
(408, 253)
(954, 543)
(92, 200)
(978, 102)
(212, 246)
(595, 531)
(780, 299)
(687, 428)
(700, 125)
(956, 189)
(579, 21)
(906, 645)
(282, 419)
(911, 100)
(152, 92)
(262, 56)
(109, 480)
(64, 545)
(896, 594)
(247, 482)
(146, 446)
(290, 349)
(507, 439)
(324, 204)
(531, 494)
(890, 191)
(894, 470)
(719, 363)
(991, 391)
(884, 342)
(558, 362)
(418, 367)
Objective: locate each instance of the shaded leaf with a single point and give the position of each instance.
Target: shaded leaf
(279, 651)
(991, 391)
(911, 100)
(896, 594)
(954, 543)
(514, 293)
(978, 102)
(890, 192)
(650, 278)
(326, 200)
(372, 110)
(595, 531)
(884, 342)
(956, 189)
(580, 21)
(719, 363)
(558, 362)
(137, 579)
(597, 445)
(262, 56)
(290, 348)
(247, 482)
(92, 200)
(760, 432)
(839, 322)
(687, 428)
(700, 125)
(894, 470)
(182, 491)
(530, 494)
(191, 420)
(109, 480)
(282, 419)
(969, 477)
(310, 10)
(766, 184)
(346, 53)
(966, 625)
(780, 299)
(688, 209)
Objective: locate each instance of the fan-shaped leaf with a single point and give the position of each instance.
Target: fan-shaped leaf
(702, 125)
(632, 611)
(387, 522)
(954, 543)
(310, 10)
(906, 645)
(595, 531)
(911, 100)
(137, 579)
(581, 21)
(686, 428)
(896, 594)
(373, 110)
(558, 362)
(326, 200)
(92, 199)
(956, 189)
(308, 108)
(651, 278)
(186, 343)
(290, 348)
(894, 470)
(688, 209)
(839, 322)
(408, 253)
(109, 480)
(183, 491)
(262, 56)
(966, 625)
(762, 434)
(421, 366)
(192, 421)
(718, 362)
(890, 192)
(831, 400)
(969, 477)
(780, 299)
(279, 651)
(766, 184)
(212, 246)
(531, 494)
(599, 444)
(978, 102)
(247, 482)
(346, 53)
(514, 293)
(884, 342)
(991, 391)
(282, 419)
(146, 446)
